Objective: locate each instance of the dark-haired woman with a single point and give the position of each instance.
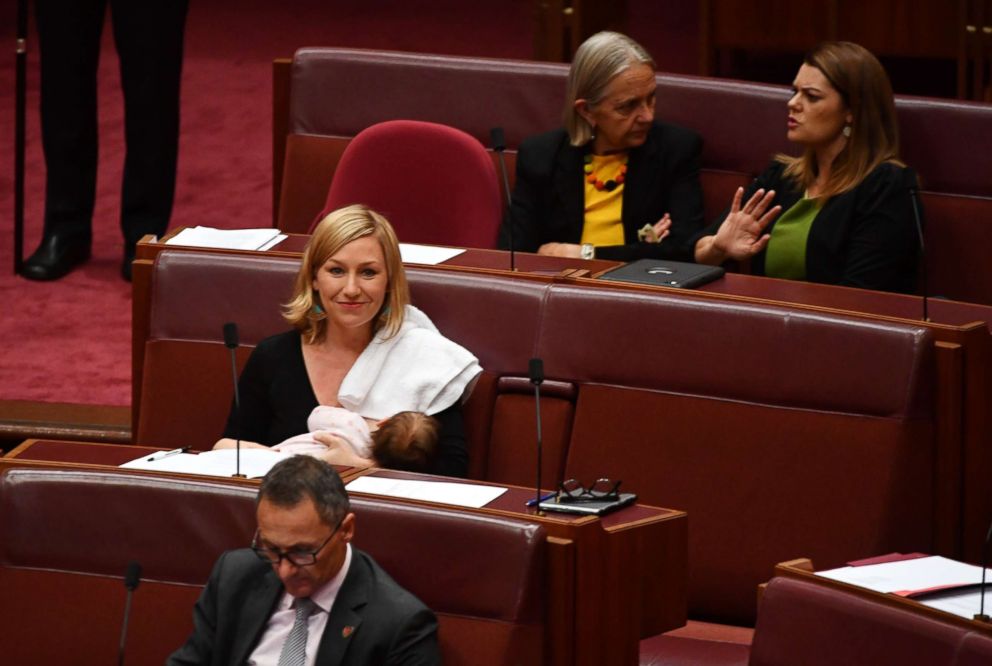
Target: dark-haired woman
(840, 213)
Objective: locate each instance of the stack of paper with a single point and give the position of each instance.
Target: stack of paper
(254, 462)
(938, 582)
(227, 239)
(430, 255)
(457, 494)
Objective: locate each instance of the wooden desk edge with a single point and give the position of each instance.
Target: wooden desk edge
(796, 569)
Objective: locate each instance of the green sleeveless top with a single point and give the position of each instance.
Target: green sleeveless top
(785, 256)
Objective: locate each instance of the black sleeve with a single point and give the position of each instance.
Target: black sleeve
(527, 205)
(883, 246)
(252, 422)
(685, 204)
(452, 450)
(416, 642)
(199, 647)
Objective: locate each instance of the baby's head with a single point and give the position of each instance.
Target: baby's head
(407, 441)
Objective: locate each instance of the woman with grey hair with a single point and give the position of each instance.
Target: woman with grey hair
(613, 183)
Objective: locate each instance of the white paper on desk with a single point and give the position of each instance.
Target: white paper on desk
(456, 494)
(426, 254)
(227, 239)
(964, 602)
(908, 576)
(254, 462)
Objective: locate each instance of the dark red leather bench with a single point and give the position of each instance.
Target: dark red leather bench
(801, 622)
(776, 430)
(789, 415)
(335, 93)
(66, 538)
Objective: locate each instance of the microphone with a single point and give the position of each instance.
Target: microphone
(536, 371)
(131, 579)
(911, 176)
(981, 616)
(499, 145)
(231, 342)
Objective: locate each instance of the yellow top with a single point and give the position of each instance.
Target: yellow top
(603, 224)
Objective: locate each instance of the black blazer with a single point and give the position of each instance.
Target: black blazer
(389, 625)
(662, 177)
(865, 237)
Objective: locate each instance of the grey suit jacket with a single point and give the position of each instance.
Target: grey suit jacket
(388, 625)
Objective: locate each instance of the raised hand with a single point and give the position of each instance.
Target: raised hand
(741, 235)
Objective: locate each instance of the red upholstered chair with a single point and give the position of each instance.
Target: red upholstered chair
(436, 184)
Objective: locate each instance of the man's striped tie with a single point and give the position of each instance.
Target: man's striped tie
(294, 650)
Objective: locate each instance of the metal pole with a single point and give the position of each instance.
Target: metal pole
(19, 122)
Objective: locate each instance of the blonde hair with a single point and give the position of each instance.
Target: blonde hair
(866, 92)
(336, 230)
(597, 61)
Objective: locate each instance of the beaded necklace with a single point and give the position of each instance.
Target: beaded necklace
(610, 184)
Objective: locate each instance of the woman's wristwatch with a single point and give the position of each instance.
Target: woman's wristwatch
(588, 251)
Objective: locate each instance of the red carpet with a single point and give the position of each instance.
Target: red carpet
(69, 341)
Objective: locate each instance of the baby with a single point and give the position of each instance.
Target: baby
(406, 441)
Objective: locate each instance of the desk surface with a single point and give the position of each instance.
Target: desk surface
(630, 567)
(748, 287)
(96, 454)
(802, 569)
(963, 345)
(498, 260)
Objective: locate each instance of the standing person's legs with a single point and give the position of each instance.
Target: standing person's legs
(69, 36)
(149, 40)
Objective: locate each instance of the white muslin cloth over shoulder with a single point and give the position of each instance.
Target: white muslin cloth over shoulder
(418, 370)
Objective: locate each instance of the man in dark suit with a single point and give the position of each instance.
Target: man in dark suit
(305, 596)
(148, 36)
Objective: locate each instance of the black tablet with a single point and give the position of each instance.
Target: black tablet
(590, 508)
(664, 273)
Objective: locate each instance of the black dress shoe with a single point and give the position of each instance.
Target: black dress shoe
(56, 256)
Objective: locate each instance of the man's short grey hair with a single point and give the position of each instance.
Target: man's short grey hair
(295, 479)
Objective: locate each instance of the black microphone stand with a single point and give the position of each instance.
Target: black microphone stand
(131, 579)
(536, 378)
(499, 145)
(231, 342)
(923, 252)
(20, 103)
(237, 408)
(981, 615)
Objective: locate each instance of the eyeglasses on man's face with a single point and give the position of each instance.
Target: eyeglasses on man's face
(300, 558)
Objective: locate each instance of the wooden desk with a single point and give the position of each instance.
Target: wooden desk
(629, 577)
(802, 569)
(963, 352)
(806, 619)
(470, 258)
(90, 455)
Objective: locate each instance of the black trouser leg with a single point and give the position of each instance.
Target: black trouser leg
(69, 37)
(149, 39)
